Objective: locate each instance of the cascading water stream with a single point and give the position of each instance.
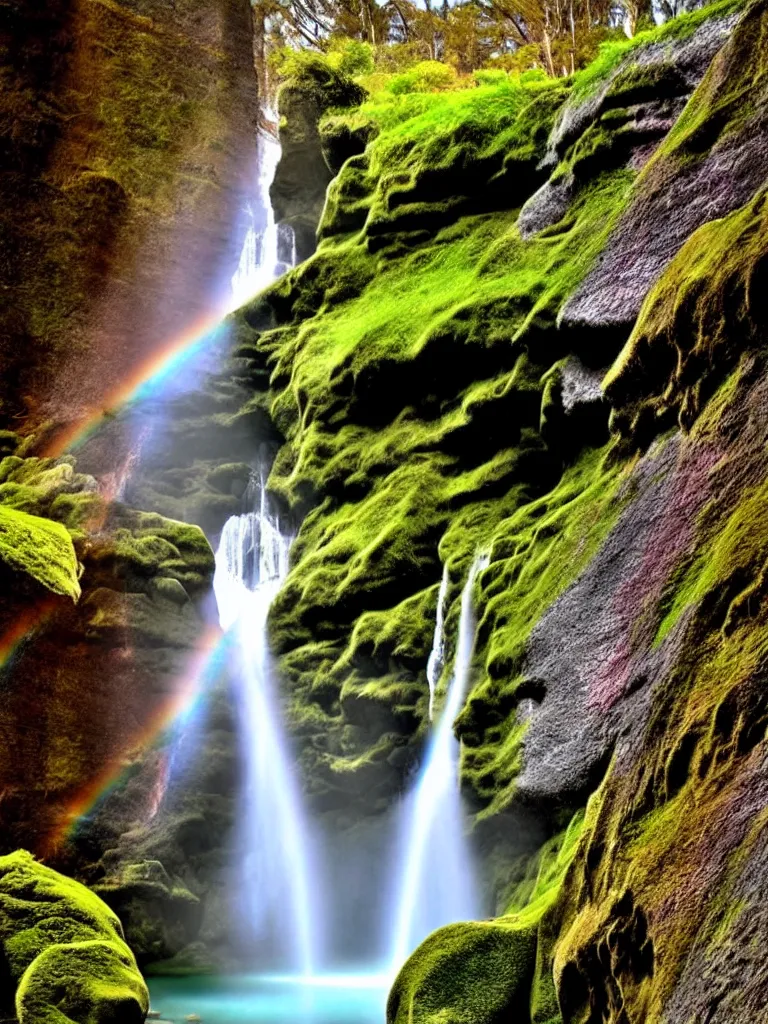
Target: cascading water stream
(251, 562)
(437, 881)
(436, 661)
(269, 249)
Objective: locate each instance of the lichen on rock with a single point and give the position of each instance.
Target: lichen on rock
(38, 550)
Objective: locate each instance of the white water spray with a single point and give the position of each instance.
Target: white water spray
(269, 249)
(251, 562)
(437, 883)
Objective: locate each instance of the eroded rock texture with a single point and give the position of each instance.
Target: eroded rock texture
(127, 153)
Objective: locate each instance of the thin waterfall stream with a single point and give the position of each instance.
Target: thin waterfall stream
(269, 249)
(437, 885)
(436, 661)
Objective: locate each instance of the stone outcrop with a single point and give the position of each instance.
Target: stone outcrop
(306, 167)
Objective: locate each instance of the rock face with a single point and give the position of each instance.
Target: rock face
(63, 951)
(305, 167)
(100, 629)
(128, 143)
(534, 326)
(127, 154)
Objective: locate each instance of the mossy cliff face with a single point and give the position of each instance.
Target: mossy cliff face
(62, 951)
(127, 134)
(127, 151)
(524, 331)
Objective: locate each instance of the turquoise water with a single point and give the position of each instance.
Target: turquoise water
(253, 999)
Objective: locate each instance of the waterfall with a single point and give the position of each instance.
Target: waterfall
(437, 883)
(277, 894)
(437, 654)
(269, 249)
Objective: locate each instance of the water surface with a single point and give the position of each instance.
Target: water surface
(253, 999)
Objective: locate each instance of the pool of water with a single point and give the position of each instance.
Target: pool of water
(253, 999)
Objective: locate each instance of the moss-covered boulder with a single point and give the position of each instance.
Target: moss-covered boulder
(64, 950)
(482, 971)
(466, 974)
(39, 550)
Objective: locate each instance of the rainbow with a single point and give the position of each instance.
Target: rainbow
(159, 365)
(181, 703)
(22, 627)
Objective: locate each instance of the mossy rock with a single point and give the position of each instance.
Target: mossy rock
(468, 973)
(40, 550)
(65, 950)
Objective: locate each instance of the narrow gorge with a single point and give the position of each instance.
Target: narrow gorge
(382, 465)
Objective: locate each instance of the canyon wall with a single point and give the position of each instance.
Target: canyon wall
(127, 156)
(128, 142)
(533, 326)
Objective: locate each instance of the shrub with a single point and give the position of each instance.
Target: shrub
(351, 57)
(489, 76)
(426, 76)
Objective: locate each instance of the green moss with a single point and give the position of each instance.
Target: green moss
(321, 77)
(64, 949)
(465, 974)
(729, 569)
(150, 545)
(426, 164)
(411, 371)
(39, 549)
(537, 550)
(480, 972)
(694, 325)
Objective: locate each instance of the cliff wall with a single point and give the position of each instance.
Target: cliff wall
(534, 326)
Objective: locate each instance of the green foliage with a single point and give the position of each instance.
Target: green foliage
(426, 76)
(419, 113)
(730, 569)
(39, 549)
(321, 75)
(352, 57)
(667, 371)
(64, 949)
